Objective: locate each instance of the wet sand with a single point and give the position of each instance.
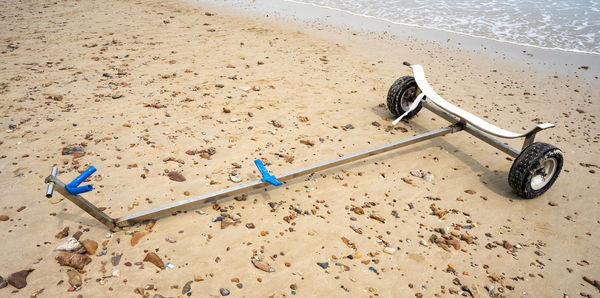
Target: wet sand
(150, 87)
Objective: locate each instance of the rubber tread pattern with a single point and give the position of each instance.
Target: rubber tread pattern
(395, 93)
(530, 159)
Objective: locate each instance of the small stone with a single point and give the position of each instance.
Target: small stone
(176, 176)
(72, 259)
(226, 110)
(154, 259)
(389, 250)
(236, 217)
(235, 179)
(262, 265)
(77, 235)
(136, 237)
(323, 265)
(115, 260)
(170, 240)
(74, 279)
(19, 278)
(187, 287)
(224, 292)
(90, 246)
(68, 150)
(5, 218)
(470, 191)
(239, 285)
(198, 278)
(250, 225)
(423, 242)
(349, 126)
(62, 234)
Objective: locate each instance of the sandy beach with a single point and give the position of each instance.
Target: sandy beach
(139, 89)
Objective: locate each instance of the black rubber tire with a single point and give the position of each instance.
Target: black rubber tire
(528, 164)
(394, 97)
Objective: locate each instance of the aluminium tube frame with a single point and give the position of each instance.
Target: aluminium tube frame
(195, 202)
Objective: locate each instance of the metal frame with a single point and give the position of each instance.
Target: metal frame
(195, 202)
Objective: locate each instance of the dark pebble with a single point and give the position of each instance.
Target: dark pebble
(323, 265)
(224, 292)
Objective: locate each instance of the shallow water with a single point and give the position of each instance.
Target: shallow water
(572, 25)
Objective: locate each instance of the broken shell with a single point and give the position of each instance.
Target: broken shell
(416, 173)
(116, 273)
(235, 179)
(71, 245)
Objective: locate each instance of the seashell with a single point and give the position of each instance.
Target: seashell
(71, 245)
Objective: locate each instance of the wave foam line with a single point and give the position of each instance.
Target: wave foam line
(444, 30)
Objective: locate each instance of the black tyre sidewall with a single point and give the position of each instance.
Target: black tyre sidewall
(530, 159)
(395, 94)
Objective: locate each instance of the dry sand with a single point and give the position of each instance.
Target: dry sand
(138, 82)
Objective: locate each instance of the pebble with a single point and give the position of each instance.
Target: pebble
(187, 287)
(62, 234)
(323, 265)
(71, 149)
(235, 179)
(224, 292)
(170, 240)
(239, 285)
(389, 250)
(423, 242)
(236, 217)
(154, 259)
(115, 260)
(176, 176)
(90, 246)
(169, 265)
(4, 218)
(72, 259)
(19, 278)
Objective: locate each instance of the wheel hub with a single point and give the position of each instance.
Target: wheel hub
(408, 97)
(544, 173)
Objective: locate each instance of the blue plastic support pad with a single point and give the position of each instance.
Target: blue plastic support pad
(74, 188)
(266, 176)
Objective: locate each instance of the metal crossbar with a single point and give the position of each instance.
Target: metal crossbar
(195, 202)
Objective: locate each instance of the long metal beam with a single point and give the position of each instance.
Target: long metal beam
(195, 202)
(472, 130)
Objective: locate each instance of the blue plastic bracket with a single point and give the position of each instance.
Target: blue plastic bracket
(74, 188)
(266, 176)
